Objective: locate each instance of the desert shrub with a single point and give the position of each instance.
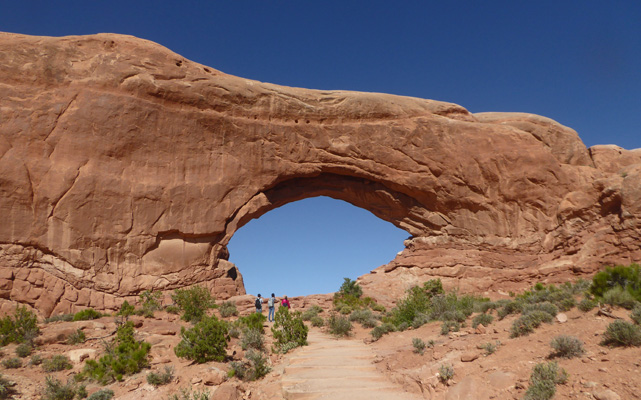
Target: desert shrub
(11, 363)
(255, 321)
(543, 381)
(150, 302)
(6, 388)
(338, 325)
(351, 288)
(234, 331)
(622, 333)
(124, 356)
(23, 350)
(417, 301)
(345, 309)
(382, 329)
(311, 312)
(349, 298)
(482, 319)
(419, 345)
(420, 319)
(252, 368)
(36, 359)
(445, 373)
(618, 296)
(364, 317)
(252, 339)
(567, 347)
(76, 337)
(189, 394)
(625, 277)
(510, 307)
(161, 378)
(378, 308)
(194, 302)
(450, 326)
(228, 309)
(586, 304)
(526, 323)
(317, 321)
(545, 306)
(86, 314)
(126, 309)
(288, 330)
(81, 392)
(57, 362)
(489, 347)
(485, 306)
(206, 341)
(102, 394)
(19, 328)
(59, 317)
(56, 390)
(172, 309)
(635, 315)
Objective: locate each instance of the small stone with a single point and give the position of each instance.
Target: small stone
(195, 380)
(606, 394)
(480, 329)
(469, 357)
(562, 318)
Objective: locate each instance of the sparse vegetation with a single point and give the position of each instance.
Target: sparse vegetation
(161, 378)
(317, 321)
(622, 333)
(254, 321)
(126, 310)
(228, 309)
(76, 337)
(6, 388)
(252, 368)
(193, 302)
(482, 319)
(567, 347)
(382, 329)
(289, 330)
(55, 363)
(102, 394)
(618, 296)
(36, 359)
(635, 315)
(526, 323)
(59, 317)
(587, 304)
(24, 350)
(445, 373)
(252, 339)
(11, 363)
(86, 314)
(206, 341)
(450, 326)
(189, 394)
(365, 317)
(627, 278)
(311, 312)
(419, 345)
(56, 390)
(489, 347)
(150, 303)
(338, 325)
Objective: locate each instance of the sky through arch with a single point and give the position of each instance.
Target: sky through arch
(309, 246)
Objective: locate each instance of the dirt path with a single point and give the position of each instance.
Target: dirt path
(337, 369)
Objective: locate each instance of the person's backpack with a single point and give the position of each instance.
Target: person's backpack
(259, 304)
(270, 302)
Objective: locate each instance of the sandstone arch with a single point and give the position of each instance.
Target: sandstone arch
(125, 167)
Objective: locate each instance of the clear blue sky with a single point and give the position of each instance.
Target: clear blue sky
(578, 62)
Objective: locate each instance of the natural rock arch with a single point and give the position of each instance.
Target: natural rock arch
(125, 167)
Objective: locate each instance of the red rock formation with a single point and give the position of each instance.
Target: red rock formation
(125, 167)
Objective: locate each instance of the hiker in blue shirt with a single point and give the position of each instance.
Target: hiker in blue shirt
(271, 303)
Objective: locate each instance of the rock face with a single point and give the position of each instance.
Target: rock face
(125, 167)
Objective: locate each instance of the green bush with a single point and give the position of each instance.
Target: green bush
(124, 356)
(6, 388)
(56, 363)
(252, 368)
(382, 329)
(490, 348)
(161, 378)
(126, 309)
(445, 373)
(86, 314)
(450, 326)
(510, 307)
(545, 306)
(350, 288)
(311, 312)
(56, 390)
(102, 394)
(635, 315)
(338, 325)
(625, 277)
(364, 317)
(172, 309)
(252, 339)
(150, 303)
(526, 323)
(11, 363)
(206, 341)
(317, 321)
(23, 350)
(567, 347)
(255, 321)
(288, 330)
(36, 359)
(194, 302)
(586, 304)
(622, 333)
(543, 381)
(189, 394)
(59, 317)
(617, 296)
(482, 319)
(419, 345)
(77, 337)
(228, 309)
(19, 328)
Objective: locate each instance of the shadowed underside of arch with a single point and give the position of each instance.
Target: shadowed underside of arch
(125, 167)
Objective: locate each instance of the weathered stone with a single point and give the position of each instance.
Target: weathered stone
(606, 394)
(227, 391)
(562, 318)
(126, 167)
(469, 356)
(77, 356)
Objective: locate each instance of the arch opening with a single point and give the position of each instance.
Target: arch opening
(308, 246)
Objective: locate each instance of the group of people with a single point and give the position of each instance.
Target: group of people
(271, 304)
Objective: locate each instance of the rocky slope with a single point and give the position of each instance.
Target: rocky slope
(125, 167)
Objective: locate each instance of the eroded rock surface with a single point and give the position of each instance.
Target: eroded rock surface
(125, 167)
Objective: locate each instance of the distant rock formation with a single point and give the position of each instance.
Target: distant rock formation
(125, 167)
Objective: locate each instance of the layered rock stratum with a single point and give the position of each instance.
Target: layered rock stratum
(126, 167)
